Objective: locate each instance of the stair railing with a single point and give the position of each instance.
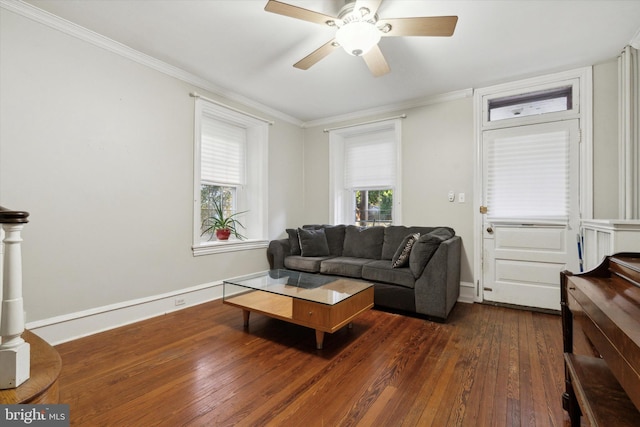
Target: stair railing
(15, 354)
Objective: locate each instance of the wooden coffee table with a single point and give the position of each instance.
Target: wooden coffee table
(323, 303)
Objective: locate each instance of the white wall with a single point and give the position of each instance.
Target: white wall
(605, 140)
(437, 152)
(99, 149)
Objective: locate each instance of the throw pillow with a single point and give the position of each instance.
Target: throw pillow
(313, 242)
(294, 241)
(401, 257)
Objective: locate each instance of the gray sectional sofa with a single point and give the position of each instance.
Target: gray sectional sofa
(413, 269)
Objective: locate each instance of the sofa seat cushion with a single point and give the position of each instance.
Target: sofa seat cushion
(383, 272)
(309, 264)
(344, 266)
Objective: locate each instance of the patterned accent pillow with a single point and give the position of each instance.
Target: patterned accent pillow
(401, 257)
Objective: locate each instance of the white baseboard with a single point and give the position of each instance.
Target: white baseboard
(68, 327)
(57, 330)
(467, 292)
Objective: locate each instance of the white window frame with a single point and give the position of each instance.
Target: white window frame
(341, 199)
(252, 197)
(486, 95)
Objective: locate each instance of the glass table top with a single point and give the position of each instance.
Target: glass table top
(307, 286)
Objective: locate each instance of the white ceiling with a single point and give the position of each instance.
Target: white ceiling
(240, 48)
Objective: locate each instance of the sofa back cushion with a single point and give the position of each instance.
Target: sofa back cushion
(335, 238)
(394, 234)
(424, 248)
(363, 242)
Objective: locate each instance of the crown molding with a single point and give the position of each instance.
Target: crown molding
(43, 17)
(413, 103)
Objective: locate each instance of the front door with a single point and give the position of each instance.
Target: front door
(531, 213)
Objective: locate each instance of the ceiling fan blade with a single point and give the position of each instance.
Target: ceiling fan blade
(315, 56)
(372, 5)
(297, 12)
(376, 62)
(442, 26)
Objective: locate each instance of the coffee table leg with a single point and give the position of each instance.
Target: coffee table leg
(245, 317)
(319, 339)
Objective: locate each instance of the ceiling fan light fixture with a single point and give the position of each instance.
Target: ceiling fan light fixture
(358, 37)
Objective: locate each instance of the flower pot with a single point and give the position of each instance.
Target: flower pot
(223, 234)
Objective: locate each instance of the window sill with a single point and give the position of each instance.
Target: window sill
(217, 247)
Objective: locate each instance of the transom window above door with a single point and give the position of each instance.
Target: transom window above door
(531, 103)
(518, 106)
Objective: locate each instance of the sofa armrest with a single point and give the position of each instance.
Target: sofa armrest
(438, 288)
(277, 251)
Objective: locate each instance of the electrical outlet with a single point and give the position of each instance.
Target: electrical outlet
(180, 301)
(451, 196)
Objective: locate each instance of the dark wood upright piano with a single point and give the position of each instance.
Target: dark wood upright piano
(603, 387)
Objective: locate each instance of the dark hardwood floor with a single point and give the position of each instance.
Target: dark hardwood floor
(487, 366)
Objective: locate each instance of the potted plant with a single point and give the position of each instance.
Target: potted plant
(222, 225)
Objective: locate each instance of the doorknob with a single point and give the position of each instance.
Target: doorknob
(489, 230)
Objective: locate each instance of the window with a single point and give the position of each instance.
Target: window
(546, 100)
(230, 166)
(373, 207)
(528, 176)
(222, 170)
(531, 103)
(210, 195)
(365, 188)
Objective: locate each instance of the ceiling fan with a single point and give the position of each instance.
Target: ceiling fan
(359, 29)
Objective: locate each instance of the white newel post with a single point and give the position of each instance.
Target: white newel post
(14, 351)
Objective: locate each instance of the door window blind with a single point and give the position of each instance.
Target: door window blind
(370, 160)
(528, 177)
(223, 153)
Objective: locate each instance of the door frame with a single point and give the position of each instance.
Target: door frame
(581, 80)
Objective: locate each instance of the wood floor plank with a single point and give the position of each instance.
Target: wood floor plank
(505, 366)
(426, 354)
(551, 371)
(464, 376)
(527, 412)
(482, 397)
(486, 366)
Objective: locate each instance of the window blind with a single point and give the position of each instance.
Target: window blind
(223, 153)
(370, 160)
(528, 177)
